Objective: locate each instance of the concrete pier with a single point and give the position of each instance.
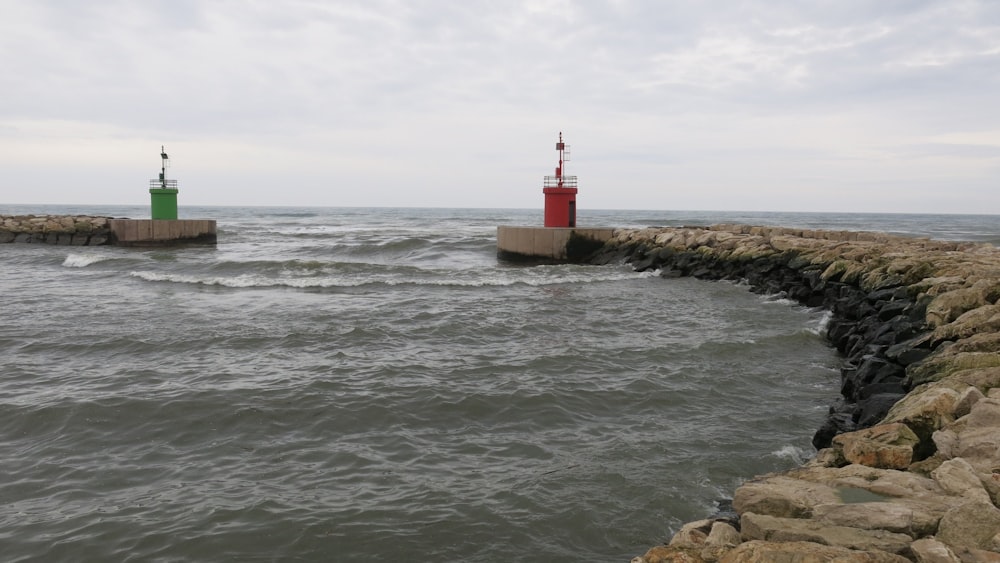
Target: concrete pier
(550, 244)
(88, 230)
(162, 232)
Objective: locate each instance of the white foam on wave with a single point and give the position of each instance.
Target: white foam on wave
(792, 453)
(778, 299)
(238, 281)
(823, 324)
(472, 279)
(83, 260)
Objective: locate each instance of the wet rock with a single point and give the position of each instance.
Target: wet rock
(836, 423)
(874, 407)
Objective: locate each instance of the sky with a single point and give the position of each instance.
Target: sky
(754, 105)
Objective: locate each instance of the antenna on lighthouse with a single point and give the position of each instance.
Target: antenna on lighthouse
(563, 149)
(163, 167)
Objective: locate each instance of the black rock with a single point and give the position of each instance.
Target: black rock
(837, 423)
(874, 408)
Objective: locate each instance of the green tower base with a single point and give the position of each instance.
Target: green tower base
(163, 202)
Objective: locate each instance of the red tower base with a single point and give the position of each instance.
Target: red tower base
(560, 207)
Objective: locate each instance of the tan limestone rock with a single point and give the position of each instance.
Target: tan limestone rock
(966, 400)
(925, 409)
(983, 379)
(983, 342)
(948, 306)
(778, 495)
(974, 524)
(769, 528)
(929, 550)
(985, 413)
(946, 442)
(980, 447)
(804, 552)
(959, 478)
(692, 534)
(925, 466)
(940, 366)
(665, 554)
(977, 555)
(721, 539)
(975, 437)
(984, 319)
(902, 517)
(886, 446)
(885, 482)
(827, 457)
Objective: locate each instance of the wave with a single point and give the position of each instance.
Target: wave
(84, 260)
(442, 279)
(796, 455)
(823, 325)
(777, 299)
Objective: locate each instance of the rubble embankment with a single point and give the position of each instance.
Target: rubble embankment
(908, 461)
(70, 230)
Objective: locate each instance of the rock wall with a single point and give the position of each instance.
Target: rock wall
(75, 230)
(908, 461)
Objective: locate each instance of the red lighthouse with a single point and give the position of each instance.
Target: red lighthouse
(560, 192)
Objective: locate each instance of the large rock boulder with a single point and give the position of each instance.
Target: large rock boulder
(929, 550)
(888, 446)
(974, 524)
(913, 518)
(768, 528)
(805, 552)
(957, 477)
(948, 306)
(782, 496)
(926, 409)
(940, 366)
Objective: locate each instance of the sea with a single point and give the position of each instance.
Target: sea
(372, 384)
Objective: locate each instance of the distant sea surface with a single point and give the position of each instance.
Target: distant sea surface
(373, 385)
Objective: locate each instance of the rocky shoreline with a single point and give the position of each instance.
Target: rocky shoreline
(70, 230)
(908, 460)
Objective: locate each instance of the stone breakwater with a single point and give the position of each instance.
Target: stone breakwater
(75, 230)
(908, 462)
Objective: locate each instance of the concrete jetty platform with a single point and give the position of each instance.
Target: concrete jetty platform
(88, 230)
(550, 244)
(162, 232)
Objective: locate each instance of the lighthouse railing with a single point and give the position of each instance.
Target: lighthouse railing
(163, 184)
(553, 182)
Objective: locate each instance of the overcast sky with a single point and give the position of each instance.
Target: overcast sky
(825, 105)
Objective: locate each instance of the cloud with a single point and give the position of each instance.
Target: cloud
(435, 102)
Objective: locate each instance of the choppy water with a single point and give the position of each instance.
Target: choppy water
(370, 384)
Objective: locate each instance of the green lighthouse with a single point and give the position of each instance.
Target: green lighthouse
(163, 192)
